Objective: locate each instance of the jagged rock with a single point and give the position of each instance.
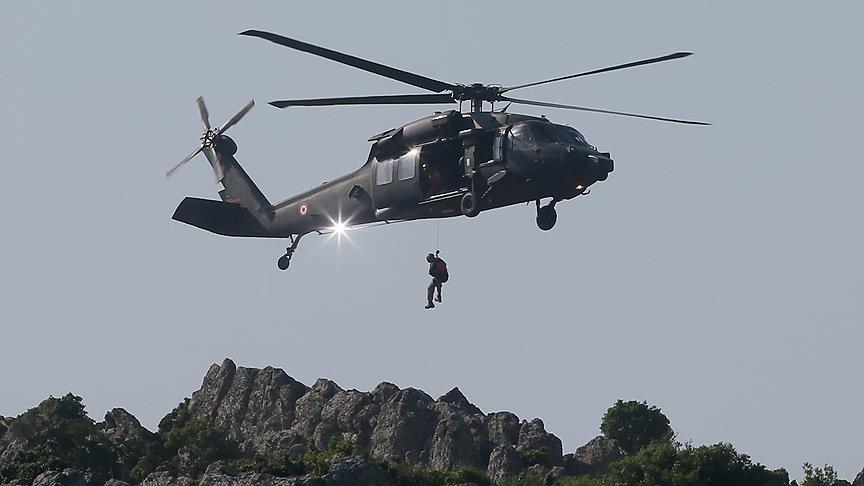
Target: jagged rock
(255, 406)
(266, 410)
(353, 471)
(405, 423)
(67, 477)
(459, 439)
(348, 415)
(457, 399)
(533, 437)
(555, 475)
(841, 482)
(596, 456)
(503, 428)
(121, 426)
(310, 406)
(124, 431)
(859, 479)
(116, 482)
(297, 450)
(163, 478)
(538, 471)
(504, 463)
(383, 392)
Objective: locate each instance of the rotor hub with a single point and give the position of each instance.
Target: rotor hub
(208, 140)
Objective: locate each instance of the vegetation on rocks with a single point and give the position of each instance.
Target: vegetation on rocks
(185, 445)
(57, 434)
(248, 426)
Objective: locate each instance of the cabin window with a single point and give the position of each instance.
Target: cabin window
(498, 146)
(384, 172)
(407, 164)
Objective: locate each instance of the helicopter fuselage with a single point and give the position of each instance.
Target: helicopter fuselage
(425, 168)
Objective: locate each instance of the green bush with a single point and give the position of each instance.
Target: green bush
(634, 425)
(534, 456)
(279, 465)
(58, 434)
(185, 445)
(405, 475)
(662, 464)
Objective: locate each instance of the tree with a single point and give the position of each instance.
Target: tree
(634, 425)
(666, 464)
(817, 476)
(58, 434)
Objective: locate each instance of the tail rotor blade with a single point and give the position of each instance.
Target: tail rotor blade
(236, 118)
(183, 162)
(205, 116)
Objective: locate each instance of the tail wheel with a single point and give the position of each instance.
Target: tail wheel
(469, 205)
(283, 262)
(546, 218)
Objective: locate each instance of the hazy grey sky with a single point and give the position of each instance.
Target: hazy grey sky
(717, 273)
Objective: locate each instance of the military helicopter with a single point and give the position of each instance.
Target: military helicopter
(450, 163)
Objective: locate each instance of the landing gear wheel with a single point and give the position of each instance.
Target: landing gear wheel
(469, 205)
(283, 262)
(546, 217)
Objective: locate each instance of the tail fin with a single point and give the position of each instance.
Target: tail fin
(239, 188)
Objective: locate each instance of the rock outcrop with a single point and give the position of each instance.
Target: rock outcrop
(859, 479)
(67, 477)
(593, 457)
(266, 410)
(504, 462)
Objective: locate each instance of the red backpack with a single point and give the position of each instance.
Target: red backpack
(441, 270)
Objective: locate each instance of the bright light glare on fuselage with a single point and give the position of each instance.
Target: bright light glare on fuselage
(340, 228)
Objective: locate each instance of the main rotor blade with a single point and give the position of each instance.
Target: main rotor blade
(372, 67)
(413, 99)
(643, 62)
(595, 110)
(234, 119)
(205, 116)
(183, 162)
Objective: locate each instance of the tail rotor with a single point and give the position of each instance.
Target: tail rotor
(211, 137)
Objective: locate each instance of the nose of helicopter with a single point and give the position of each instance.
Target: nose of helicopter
(590, 160)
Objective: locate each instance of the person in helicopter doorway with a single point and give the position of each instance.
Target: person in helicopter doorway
(438, 271)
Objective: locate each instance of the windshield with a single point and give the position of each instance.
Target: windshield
(570, 134)
(531, 135)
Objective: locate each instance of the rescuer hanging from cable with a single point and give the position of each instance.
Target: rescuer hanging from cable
(438, 271)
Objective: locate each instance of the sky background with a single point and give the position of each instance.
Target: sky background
(717, 273)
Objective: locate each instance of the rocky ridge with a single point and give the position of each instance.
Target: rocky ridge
(267, 410)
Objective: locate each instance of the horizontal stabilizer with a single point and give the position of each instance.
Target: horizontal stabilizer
(223, 218)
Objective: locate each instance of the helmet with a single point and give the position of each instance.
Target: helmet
(430, 257)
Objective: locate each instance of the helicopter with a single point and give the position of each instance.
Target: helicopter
(450, 163)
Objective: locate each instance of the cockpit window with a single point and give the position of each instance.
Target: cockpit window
(570, 134)
(530, 135)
